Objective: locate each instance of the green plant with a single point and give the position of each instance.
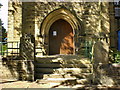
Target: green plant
(114, 56)
(3, 49)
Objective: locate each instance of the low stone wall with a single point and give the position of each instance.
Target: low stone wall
(17, 69)
(107, 74)
(103, 74)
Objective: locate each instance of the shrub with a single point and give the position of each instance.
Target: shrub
(114, 56)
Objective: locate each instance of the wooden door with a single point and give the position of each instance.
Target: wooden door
(61, 38)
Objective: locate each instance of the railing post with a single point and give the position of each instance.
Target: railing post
(17, 49)
(1, 48)
(7, 48)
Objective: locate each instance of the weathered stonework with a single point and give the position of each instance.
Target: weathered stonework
(93, 25)
(17, 69)
(14, 24)
(27, 51)
(94, 22)
(14, 21)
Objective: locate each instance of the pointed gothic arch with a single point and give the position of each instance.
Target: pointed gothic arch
(55, 15)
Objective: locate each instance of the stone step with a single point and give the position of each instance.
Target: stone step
(59, 68)
(64, 81)
(63, 75)
(61, 61)
(63, 65)
(61, 56)
(62, 70)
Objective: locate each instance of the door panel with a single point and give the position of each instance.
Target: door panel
(61, 38)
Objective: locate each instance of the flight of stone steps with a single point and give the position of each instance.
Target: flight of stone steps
(63, 69)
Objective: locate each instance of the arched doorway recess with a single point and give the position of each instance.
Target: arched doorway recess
(64, 16)
(61, 38)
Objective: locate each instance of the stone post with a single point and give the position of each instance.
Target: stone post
(27, 52)
(101, 52)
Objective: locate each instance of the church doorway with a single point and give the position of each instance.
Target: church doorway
(61, 38)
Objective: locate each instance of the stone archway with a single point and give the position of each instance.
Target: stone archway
(58, 14)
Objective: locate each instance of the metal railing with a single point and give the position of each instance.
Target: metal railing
(88, 49)
(13, 48)
(9, 48)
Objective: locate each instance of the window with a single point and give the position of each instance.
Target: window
(117, 12)
(116, 3)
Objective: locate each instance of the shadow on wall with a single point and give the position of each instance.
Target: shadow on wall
(27, 44)
(18, 69)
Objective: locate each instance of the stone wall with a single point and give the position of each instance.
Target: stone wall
(96, 20)
(90, 15)
(93, 20)
(14, 23)
(17, 69)
(28, 18)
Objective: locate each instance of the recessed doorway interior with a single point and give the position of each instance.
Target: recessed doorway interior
(61, 38)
